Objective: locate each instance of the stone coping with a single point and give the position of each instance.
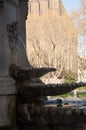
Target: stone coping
(42, 116)
(60, 116)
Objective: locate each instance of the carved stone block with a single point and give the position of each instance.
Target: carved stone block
(13, 33)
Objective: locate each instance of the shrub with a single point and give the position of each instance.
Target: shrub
(69, 77)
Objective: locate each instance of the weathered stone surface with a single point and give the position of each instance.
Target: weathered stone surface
(7, 110)
(9, 43)
(52, 118)
(21, 75)
(40, 89)
(42, 116)
(12, 45)
(22, 15)
(7, 16)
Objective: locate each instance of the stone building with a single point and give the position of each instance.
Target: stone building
(51, 36)
(42, 6)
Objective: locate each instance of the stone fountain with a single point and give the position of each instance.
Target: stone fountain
(16, 76)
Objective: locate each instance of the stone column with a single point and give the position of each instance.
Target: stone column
(22, 16)
(9, 32)
(13, 15)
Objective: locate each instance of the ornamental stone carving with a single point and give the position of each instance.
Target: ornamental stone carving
(13, 33)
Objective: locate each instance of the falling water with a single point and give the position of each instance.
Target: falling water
(20, 45)
(21, 40)
(22, 56)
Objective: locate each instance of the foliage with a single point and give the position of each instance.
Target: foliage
(69, 77)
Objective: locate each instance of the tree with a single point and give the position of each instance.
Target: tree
(52, 41)
(79, 18)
